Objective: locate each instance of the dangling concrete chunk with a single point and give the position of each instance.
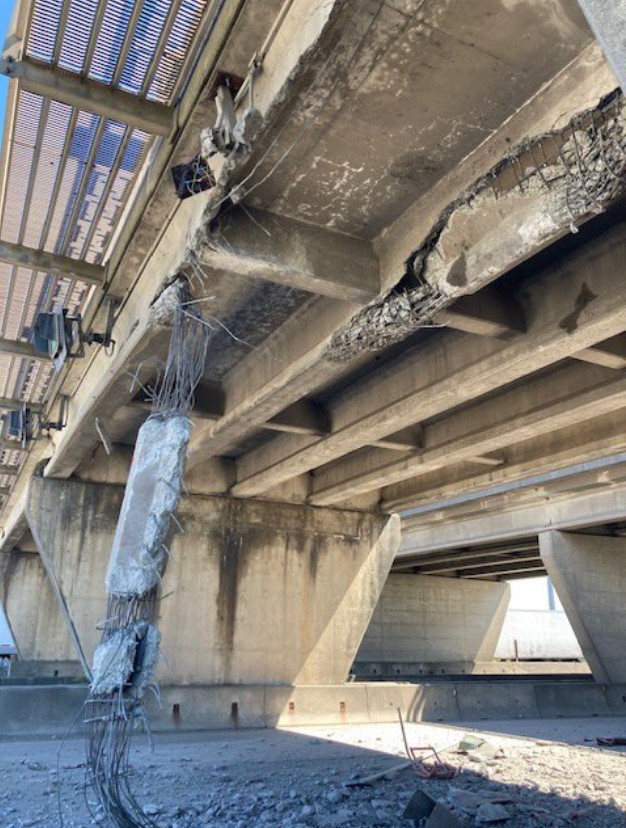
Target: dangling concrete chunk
(152, 492)
(126, 659)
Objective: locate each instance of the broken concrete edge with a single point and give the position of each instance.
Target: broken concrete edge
(48, 709)
(233, 172)
(433, 280)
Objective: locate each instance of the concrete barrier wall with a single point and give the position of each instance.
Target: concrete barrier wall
(425, 619)
(44, 710)
(254, 592)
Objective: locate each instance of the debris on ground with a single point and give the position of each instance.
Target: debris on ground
(612, 741)
(294, 779)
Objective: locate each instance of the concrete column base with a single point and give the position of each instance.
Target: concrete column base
(589, 576)
(430, 625)
(254, 593)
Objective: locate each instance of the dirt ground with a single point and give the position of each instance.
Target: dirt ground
(550, 774)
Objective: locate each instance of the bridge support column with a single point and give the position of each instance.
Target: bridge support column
(38, 627)
(425, 624)
(589, 576)
(254, 593)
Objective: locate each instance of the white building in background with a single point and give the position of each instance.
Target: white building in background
(536, 627)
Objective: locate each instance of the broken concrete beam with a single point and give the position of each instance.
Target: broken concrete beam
(152, 492)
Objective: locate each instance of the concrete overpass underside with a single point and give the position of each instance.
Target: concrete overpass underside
(413, 274)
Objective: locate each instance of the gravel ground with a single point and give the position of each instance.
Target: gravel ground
(549, 774)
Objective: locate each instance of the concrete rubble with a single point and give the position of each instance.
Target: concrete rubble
(296, 779)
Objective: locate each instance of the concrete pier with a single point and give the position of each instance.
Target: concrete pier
(42, 637)
(426, 624)
(255, 592)
(589, 575)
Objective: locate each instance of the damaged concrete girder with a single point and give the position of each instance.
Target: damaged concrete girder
(572, 306)
(569, 395)
(588, 454)
(578, 87)
(261, 384)
(262, 245)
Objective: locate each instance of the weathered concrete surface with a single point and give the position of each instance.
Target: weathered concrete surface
(37, 624)
(254, 592)
(589, 575)
(51, 709)
(426, 619)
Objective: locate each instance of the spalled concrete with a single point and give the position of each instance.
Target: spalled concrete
(425, 619)
(254, 592)
(589, 575)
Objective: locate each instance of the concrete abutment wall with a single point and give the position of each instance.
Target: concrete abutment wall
(428, 624)
(254, 593)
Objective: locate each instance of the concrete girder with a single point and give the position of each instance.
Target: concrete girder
(302, 417)
(590, 453)
(455, 369)
(155, 254)
(569, 395)
(572, 512)
(498, 553)
(22, 256)
(479, 563)
(93, 96)
(578, 87)
(10, 471)
(274, 248)
(260, 385)
(139, 258)
(489, 312)
(610, 354)
(503, 571)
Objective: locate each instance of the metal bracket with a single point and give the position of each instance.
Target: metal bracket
(56, 425)
(105, 339)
